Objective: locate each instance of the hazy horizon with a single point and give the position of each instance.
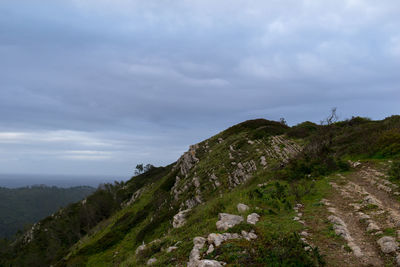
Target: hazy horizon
(60, 180)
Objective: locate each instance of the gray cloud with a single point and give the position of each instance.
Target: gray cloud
(157, 77)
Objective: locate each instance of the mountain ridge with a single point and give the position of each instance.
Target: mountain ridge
(267, 165)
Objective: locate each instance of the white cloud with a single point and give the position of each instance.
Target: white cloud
(86, 155)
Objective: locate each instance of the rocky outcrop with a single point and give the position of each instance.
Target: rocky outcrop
(243, 172)
(135, 196)
(187, 160)
(180, 218)
(227, 221)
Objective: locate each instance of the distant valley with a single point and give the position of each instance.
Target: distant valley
(21, 207)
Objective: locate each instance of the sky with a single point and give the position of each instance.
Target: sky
(97, 86)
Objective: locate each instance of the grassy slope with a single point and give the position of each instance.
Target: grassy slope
(114, 240)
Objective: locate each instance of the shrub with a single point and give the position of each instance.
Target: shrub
(394, 171)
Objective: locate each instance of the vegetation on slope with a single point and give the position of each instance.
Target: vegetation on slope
(267, 165)
(20, 207)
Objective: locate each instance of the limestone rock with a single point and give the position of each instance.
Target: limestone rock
(198, 244)
(151, 261)
(210, 249)
(388, 244)
(372, 226)
(242, 207)
(170, 249)
(140, 249)
(249, 236)
(218, 239)
(180, 218)
(263, 161)
(253, 218)
(398, 260)
(209, 263)
(227, 221)
(186, 162)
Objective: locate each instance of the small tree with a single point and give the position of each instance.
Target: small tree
(331, 119)
(139, 169)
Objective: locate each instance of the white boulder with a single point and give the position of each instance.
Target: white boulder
(227, 221)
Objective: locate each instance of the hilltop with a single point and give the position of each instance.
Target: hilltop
(260, 193)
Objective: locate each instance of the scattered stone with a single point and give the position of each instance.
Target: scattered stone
(249, 236)
(242, 207)
(354, 164)
(341, 230)
(388, 244)
(170, 249)
(180, 218)
(140, 249)
(304, 233)
(250, 142)
(384, 188)
(363, 216)
(372, 200)
(263, 161)
(356, 249)
(372, 226)
(398, 259)
(151, 261)
(253, 218)
(227, 221)
(220, 140)
(209, 263)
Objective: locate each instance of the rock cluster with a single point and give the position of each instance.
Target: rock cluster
(214, 240)
(242, 173)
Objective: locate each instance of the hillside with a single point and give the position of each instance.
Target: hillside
(27, 205)
(259, 193)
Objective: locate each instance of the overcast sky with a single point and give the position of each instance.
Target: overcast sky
(96, 86)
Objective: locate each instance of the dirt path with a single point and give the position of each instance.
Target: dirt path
(364, 211)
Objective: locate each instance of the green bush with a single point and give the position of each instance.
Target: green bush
(389, 143)
(394, 171)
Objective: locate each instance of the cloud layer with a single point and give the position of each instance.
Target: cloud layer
(97, 86)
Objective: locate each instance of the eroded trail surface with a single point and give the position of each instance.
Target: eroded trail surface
(364, 211)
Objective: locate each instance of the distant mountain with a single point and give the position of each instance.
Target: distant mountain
(260, 193)
(24, 206)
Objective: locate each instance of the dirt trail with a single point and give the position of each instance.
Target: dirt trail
(364, 211)
(343, 207)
